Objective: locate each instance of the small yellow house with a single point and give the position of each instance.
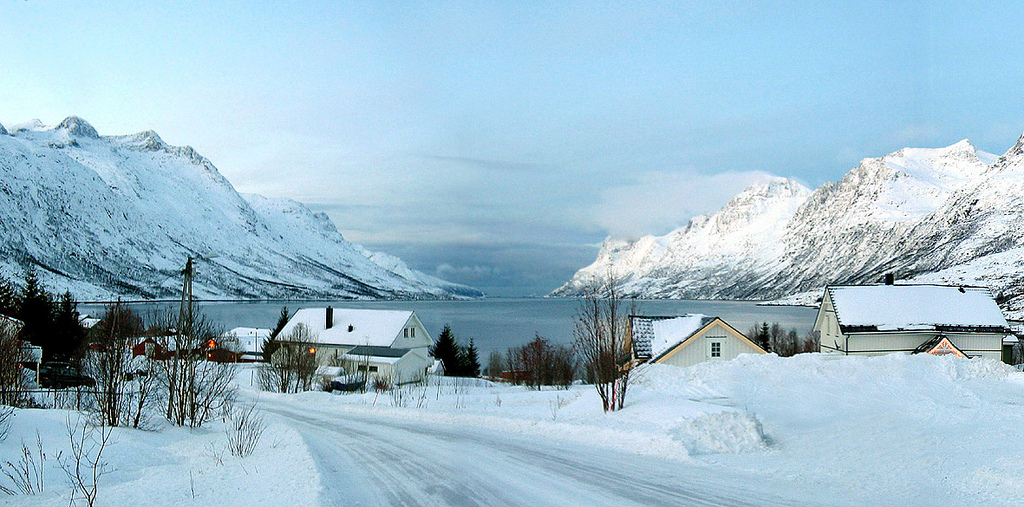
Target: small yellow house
(686, 340)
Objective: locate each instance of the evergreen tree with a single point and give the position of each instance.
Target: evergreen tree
(271, 345)
(472, 362)
(282, 321)
(35, 310)
(447, 350)
(8, 298)
(764, 337)
(68, 334)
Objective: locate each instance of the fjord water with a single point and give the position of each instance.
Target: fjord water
(494, 324)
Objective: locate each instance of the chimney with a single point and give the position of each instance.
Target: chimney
(330, 318)
(890, 279)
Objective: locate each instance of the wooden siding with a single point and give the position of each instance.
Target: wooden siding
(697, 348)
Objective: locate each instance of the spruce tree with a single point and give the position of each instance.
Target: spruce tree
(472, 362)
(447, 350)
(35, 310)
(8, 298)
(282, 321)
(68, 335)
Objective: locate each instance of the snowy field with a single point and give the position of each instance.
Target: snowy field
(809, 430)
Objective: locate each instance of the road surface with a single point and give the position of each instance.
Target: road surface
(366, 459)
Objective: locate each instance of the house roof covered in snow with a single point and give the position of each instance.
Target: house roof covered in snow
(873, 308)
(376, 354)
(351, 326)
(653, 335)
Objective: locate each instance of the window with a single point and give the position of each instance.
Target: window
(409, 332)
(373, 368)
(361, 367)
(716, 349)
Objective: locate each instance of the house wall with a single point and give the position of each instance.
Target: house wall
(973, 344)
(421, 340)
(698, 348)
(827, 326)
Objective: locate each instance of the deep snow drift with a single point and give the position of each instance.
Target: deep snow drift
(107, 216)
(811, 429)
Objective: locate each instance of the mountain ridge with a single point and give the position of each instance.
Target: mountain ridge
(933, 215)
(116, 216)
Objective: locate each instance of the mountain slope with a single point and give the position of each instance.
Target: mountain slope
(108, 216)
(950, 214)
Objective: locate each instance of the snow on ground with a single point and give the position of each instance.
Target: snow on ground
(898, 429)
(168, 465)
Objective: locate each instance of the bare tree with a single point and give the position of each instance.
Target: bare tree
(601, 342)
(292, 368)
(194, 387)
(13, 384)
(111, 362)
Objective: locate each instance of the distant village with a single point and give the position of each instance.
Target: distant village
(347, 349)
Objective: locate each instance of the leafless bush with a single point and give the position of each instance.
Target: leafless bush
(539, 363)
(6, 414)
(244, 429)
(83, 467)
(195, 388)
(293, 366)
(382, 383)
(25, 475)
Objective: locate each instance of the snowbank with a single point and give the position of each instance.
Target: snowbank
(170, 466)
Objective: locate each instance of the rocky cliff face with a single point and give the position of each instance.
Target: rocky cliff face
(109, 216)
(953, 214)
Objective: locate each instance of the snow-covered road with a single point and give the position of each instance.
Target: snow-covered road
(371, 460)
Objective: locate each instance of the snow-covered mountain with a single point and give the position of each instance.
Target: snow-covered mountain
(108, 216)
(953, 214)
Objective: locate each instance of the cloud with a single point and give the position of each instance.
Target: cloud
(657, 202)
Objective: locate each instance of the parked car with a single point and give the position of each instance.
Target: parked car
(55, 375)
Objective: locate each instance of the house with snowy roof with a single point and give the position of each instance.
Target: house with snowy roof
(391, 343)
(685, 340)
(937, 319)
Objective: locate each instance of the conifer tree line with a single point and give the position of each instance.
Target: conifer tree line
(458, 360)
(50, 321)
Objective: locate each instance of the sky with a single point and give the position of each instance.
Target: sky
(497, 144)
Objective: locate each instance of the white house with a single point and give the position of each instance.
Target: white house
(881, 319)
(391, 342)
(686, 340)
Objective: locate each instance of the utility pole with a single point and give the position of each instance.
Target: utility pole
(185, 315)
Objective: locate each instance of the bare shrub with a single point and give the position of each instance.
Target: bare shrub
(539, 363)
(195, 388)
(83, 467)
(244, 429)
(6, 414)
(25, 475)
(382, 383)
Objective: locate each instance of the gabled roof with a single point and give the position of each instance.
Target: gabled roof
(939, 346)
(872, 308)
(654, 335)
(351, 326)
